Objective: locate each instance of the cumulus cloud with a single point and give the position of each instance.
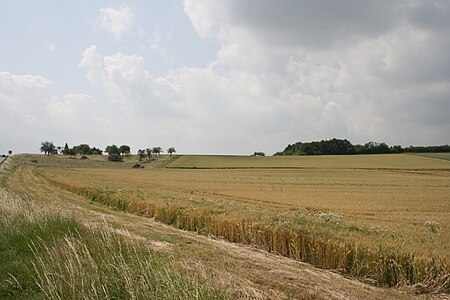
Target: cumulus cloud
(382, 80)
(116, 21)
(285, 71)
(23, 94)
(315, 24)
(71, 107)
(293, 70)
(360, 70)
(32, 113)
(123, 77)
(92, 63)
(23, 99)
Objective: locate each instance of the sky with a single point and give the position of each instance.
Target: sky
(223, 77)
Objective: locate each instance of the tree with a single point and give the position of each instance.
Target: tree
(66, 149)
(148, 151)
(171, 150)
(48, 148)
(96, 151)
(141, 154)
(125, 149)
(396, 149)
(157, 150)
(258, 153)
(83, 149)
(70, 152)
(375, 148)
(113, 149)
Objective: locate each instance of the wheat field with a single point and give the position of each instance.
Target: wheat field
(383, 217)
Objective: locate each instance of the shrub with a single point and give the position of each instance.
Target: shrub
(84, 157)
(259, 153)
(115, 157)
(137, 166)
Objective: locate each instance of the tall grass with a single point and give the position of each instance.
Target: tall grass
(44, 254)
(98, 264)
(383, 267)
(21, 222)
(6, 169)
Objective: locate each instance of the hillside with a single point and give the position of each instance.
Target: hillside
(379, 161)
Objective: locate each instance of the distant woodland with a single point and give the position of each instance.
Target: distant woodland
(338, 146)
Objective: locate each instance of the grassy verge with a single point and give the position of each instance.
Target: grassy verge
(6, 169)
(44, 254)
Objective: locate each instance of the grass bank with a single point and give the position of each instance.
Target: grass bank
(45, 254)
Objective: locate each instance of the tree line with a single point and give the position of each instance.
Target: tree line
(342, 147)
(115, 153)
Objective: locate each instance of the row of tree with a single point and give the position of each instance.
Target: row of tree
(143, 153)
(338, 146)
(84, 149)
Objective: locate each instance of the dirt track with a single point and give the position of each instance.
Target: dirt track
(248, 272)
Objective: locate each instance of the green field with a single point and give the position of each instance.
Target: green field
(444, 156)
(380, 161)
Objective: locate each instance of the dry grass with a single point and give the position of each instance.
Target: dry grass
(45, 254)
(99, 264)
(93, 161)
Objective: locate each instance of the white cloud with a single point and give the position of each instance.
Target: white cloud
(92, 63)
(375, 74)
(23, 94)
(285, 71)
(23, 99)
(122, 77)
(32, 113)
(363, 70)
(71, 107)
(204, 15)
(116, 21)
(264, 97)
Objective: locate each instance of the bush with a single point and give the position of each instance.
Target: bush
(137, 166)
(115, 157)
(84, 157)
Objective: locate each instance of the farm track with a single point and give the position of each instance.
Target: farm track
(253, 274)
